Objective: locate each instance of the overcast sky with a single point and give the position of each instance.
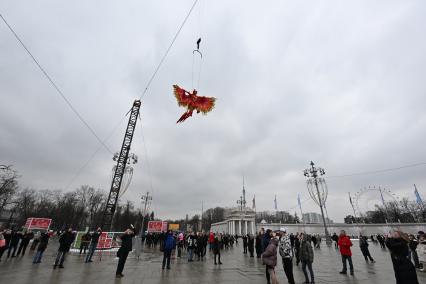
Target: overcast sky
(341, 83)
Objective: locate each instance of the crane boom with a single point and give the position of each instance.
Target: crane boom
(114, 192)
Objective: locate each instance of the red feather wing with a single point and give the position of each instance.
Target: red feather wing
(181, 97)
(205, 104)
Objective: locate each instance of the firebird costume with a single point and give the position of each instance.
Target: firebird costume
(192, 102)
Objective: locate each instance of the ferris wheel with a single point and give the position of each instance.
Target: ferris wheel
(367, 198)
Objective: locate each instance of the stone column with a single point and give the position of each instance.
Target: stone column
(240, 225)
(253, 229)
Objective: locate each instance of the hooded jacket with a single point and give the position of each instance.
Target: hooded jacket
(345, 245)
(270, 254)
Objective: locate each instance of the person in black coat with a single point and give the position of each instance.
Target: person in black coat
(250, 244)
(65, 241)
(13, 243)
(94, 239)
(25, 240)
(363, 245)
(125, 248)
(258, 245)
(244, 244)
(405, 273)
(43, 241)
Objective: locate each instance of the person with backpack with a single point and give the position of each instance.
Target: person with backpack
(286, 252)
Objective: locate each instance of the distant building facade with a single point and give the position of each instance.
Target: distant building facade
(314, 218)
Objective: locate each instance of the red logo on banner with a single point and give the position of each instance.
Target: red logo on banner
(105, 241)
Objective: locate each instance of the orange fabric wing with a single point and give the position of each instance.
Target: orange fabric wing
(181, 97)
(205, 104)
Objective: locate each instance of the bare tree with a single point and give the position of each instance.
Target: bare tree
(8, 185)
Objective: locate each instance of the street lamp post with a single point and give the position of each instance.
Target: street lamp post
(314, 178)
(146, 199)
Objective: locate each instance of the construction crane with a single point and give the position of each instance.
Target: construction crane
(117, 179)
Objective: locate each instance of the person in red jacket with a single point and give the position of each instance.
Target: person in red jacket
(345, 250)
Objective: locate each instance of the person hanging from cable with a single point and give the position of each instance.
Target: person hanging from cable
(191, 100)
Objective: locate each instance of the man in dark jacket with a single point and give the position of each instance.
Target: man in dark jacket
(125, 248)
(245, 242)
(259, 244)
(94, 239)
(363, 245)
(26, 237)
(43, 241)
(250, 244)
(65, 241)
(13, 243)
(169, 245)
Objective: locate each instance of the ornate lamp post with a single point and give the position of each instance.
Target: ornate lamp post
(127, 173)
(318, 191)
(146, 201)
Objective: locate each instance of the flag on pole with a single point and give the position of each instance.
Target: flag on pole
(298, 201)
(381, 196)
(350, 199)
(275, 203)
(254, 202)
(418, 198)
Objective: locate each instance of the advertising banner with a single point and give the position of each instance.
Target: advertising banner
(174, 227)
(38, 223)
(157, 226)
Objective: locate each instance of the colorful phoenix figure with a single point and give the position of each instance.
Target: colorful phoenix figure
(192, 102)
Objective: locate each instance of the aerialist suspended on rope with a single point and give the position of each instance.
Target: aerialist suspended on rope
(190, 100)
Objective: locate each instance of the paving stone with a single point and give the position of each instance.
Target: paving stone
(236, 268)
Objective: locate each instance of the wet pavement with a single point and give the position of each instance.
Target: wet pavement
(236, 268)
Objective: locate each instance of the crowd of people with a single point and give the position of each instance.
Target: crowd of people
(408, 252)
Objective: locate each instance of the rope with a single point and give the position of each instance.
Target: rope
(80, 170)
(380, 171)
(148, 166)
(55, 86)
(168, 50)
